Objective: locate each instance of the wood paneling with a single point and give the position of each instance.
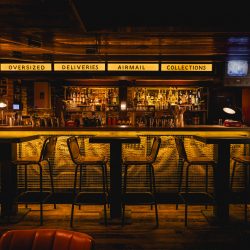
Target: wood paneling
(246, 105)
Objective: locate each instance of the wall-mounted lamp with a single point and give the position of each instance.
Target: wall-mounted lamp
(123, 106)
(228, 110)
(3, 104)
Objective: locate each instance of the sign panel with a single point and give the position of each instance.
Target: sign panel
(26, 67)
(133, 67)
(79, 67)
(186, 67)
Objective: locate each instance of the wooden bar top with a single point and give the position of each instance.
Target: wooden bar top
(127, 128)
(17, 139)
(110, 139)
(223, 139)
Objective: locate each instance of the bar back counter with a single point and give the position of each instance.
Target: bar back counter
(168, 166)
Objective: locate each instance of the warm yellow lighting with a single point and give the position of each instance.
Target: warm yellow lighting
(26, 67)
(124, 126)
(123, 105)
(229, 110)
(3, 104)
(133, 67)
(79, 67)
(186, 67)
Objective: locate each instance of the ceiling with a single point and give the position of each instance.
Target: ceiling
(80, 30)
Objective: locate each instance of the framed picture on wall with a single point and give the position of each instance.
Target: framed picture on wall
(42, 95)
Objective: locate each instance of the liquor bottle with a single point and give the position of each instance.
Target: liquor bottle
(74, 96)
(109, 97)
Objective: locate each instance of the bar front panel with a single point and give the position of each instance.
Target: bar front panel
(167, 166)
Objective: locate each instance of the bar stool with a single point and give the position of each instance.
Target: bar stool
(193, 198)
(87, 197)
(241, 197)
(142, 198)
(37, 197)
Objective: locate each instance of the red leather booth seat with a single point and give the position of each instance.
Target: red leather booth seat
(45, 239)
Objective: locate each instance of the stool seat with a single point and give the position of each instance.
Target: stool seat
(140, 160)
(242, 159)
(31, 160)
(90, 160)
(200, 160)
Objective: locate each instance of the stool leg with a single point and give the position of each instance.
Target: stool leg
(106, 180)
(187, 191)
(125, 180)
(233, 173)
(149, 170)
(154, 190)
(206, 181)
(41, 190)
(206, 176)
(25, 182)
(105, 215)
(180, 180)
(74, 193)
(25, 178)
(51, 180)
(80, 183)
(104, 189)
(104, 192)
(124, 194)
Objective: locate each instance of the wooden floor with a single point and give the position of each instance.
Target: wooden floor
(142, 234)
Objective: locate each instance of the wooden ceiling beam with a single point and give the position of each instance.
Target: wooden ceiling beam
(77, 15)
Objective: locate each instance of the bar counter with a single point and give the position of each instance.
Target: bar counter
(168, 167)
(186, 130)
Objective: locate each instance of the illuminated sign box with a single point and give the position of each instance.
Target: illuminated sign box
(186, 67)
(79, 67)
(237, 68)
(26, 67)
(133, 67)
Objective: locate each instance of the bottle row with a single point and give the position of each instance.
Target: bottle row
(143, 107)
(102, 99)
